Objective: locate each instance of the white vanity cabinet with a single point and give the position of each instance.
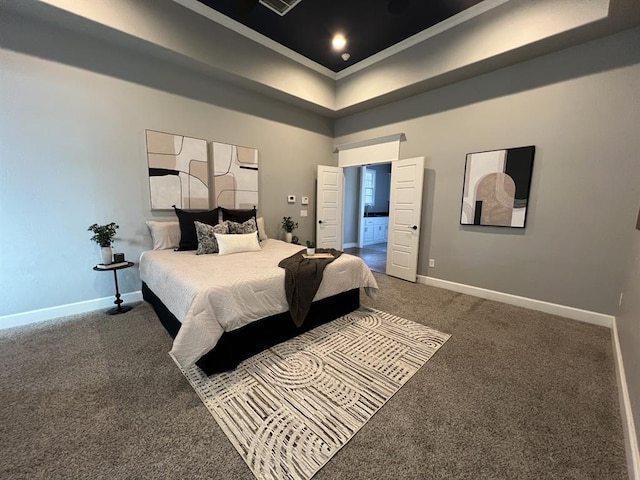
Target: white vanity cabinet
(375, 230)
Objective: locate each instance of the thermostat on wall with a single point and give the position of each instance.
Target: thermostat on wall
(291, 199)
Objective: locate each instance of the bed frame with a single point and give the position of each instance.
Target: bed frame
(238, 345)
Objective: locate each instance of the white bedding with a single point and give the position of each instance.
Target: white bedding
(211, 294)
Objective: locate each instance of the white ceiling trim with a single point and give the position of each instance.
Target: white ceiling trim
(420, 37)
(437, 29)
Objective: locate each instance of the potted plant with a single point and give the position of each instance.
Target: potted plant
(103, 235)
(311, 247)
(288, 225)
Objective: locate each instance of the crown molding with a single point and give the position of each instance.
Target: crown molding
(420, 37)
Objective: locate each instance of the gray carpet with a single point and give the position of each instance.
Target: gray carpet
(516, 394)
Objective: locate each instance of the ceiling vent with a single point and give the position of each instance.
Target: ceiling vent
(281, 7)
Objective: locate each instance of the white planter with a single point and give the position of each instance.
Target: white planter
(288, 236)
(107, 255)
(311, 251)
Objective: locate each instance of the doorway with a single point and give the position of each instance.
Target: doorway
(366, 213)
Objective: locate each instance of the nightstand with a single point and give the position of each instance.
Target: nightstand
(115, 268)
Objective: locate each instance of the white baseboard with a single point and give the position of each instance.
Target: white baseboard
(350, 245)
(33, 316)
(628, 426)
(552, 308)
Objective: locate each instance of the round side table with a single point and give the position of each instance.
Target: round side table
(118, 301)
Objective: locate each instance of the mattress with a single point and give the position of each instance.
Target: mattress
(212, 294)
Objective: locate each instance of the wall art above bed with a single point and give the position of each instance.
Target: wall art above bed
(178, 171)
(496, 187)
(235, 176)
(182, 173)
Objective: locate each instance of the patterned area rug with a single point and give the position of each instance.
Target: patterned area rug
(289, 409)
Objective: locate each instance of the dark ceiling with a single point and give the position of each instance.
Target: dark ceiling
(369, 25)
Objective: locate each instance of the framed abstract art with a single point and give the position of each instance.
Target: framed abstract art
(235, 175)
(496, 187)
(178, 171)
(182, 172)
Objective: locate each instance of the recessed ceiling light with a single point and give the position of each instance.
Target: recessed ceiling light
(338, 42)
(345, 56)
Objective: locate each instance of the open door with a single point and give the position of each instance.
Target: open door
(405, 207)
(329, 207)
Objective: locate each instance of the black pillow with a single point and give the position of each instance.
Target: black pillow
(239, 216)
(188, 237)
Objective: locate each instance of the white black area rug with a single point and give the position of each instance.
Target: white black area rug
(289, 409)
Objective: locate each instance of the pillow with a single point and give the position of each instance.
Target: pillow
(239, 216)
(188, 237)
(262, 234)
(243, 242)
(207, 242)
(247, 227)
(164, 234)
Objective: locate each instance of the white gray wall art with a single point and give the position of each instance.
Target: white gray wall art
(235, 176)
(496, 187)
(178, 171)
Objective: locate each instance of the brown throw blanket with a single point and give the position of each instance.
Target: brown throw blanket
(302, 279)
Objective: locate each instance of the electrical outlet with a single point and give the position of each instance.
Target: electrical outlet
(432, 262)
(305, 201)
(303, 213)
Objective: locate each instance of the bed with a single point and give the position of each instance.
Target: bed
(221, 309)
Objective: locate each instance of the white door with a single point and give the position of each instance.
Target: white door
(405, 207)
(329, 207)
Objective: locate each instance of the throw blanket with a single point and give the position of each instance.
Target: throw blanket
(302, 278)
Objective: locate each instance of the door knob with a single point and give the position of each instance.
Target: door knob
(319, 221)
(415, 227)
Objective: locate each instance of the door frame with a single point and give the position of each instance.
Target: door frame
(361, 208)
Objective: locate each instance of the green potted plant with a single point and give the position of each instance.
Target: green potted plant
(311, 247)
(288, 225)
(103, 235)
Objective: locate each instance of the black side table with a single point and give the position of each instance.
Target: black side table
(118, 301)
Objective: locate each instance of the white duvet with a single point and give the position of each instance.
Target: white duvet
(211, 294)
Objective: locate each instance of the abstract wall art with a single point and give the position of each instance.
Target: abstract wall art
(235, 176)
(496, 187)
(178, 171)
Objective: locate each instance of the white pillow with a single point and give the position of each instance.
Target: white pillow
(237, 243)
(165, 235)
(262, 234)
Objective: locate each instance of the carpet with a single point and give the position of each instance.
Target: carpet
(289, 409)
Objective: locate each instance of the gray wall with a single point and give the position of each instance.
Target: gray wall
(628, 323)
(581, 109)
(73, 153)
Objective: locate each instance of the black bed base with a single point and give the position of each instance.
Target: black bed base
(238, 345)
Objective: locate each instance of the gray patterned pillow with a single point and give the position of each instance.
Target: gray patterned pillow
(247, 227)
(207, 242)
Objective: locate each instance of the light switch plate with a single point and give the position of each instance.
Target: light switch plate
(303, 213)
(305, 201)
(291, 199)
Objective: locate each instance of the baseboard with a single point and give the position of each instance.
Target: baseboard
(34, 316)
(552, 308)
(350, 245)
(628, 426)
